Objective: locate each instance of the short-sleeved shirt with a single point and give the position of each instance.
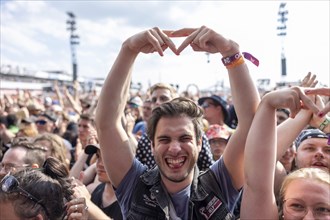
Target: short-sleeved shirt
(145, 156)
(140, 126)
(125, 189)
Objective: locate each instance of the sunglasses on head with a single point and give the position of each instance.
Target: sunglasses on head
(9, 184)
(41, 122)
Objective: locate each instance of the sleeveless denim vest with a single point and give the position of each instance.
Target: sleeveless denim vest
(150, 201)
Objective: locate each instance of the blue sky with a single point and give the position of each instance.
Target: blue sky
(34, 36)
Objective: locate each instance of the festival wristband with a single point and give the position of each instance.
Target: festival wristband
(250, 57)
(231, 59)
(324, 123)
(237, 59)
(235, 63)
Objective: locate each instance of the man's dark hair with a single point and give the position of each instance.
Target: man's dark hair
(12, 120)
(176, 108)
(4, 121)
(88, 117)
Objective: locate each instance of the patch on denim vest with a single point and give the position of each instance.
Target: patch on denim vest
(210, 208)
(150, 201)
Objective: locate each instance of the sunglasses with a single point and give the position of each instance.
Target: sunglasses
(9, 184)
(207, 105)
(41, 122)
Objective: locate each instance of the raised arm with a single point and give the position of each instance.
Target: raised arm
(260, 153)
(290, 129)
(246, 100)
(245, 94)
(324, 92)
(76, 107)
(114, 142)
(58, 94)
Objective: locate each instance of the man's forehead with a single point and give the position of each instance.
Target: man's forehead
(83, 121)
(14, 155)
(161, 92)
(317, 142)
(175, 124)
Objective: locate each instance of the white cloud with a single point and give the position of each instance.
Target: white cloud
(14, 37)
(33, 33)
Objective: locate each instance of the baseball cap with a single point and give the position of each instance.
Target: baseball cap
(217, 131)
(218, 100)
(136, 101)
(48, 101)
(27, 120)
(309, 133)
(92, 148)
(49, 115)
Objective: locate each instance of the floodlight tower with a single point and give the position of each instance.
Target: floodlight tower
(74, 40)
(207, 57)
(282, 13)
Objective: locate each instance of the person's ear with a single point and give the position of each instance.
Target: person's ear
(152, 147)
(39, 217)
(2, 126)
(199, 143)
(35, 166)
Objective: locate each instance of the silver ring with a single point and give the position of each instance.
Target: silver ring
(86, 208)
(76, 207)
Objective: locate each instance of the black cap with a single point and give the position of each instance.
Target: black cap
(218, 100)
(28, 120)
(50, 116)
(92, 148)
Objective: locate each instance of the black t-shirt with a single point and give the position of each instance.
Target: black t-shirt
(113, 210)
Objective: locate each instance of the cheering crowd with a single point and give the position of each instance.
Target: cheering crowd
(165, 155)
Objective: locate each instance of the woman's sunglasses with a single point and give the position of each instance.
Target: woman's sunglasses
(41, 122)
(9, 184)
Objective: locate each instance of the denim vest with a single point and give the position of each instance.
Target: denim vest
(150, 201)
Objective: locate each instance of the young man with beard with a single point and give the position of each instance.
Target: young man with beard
(174, 189)
(159, 94)
(313, 149)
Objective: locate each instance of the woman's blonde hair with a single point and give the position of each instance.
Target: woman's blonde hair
(28, 130)
(57, 149)
(314, 174)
